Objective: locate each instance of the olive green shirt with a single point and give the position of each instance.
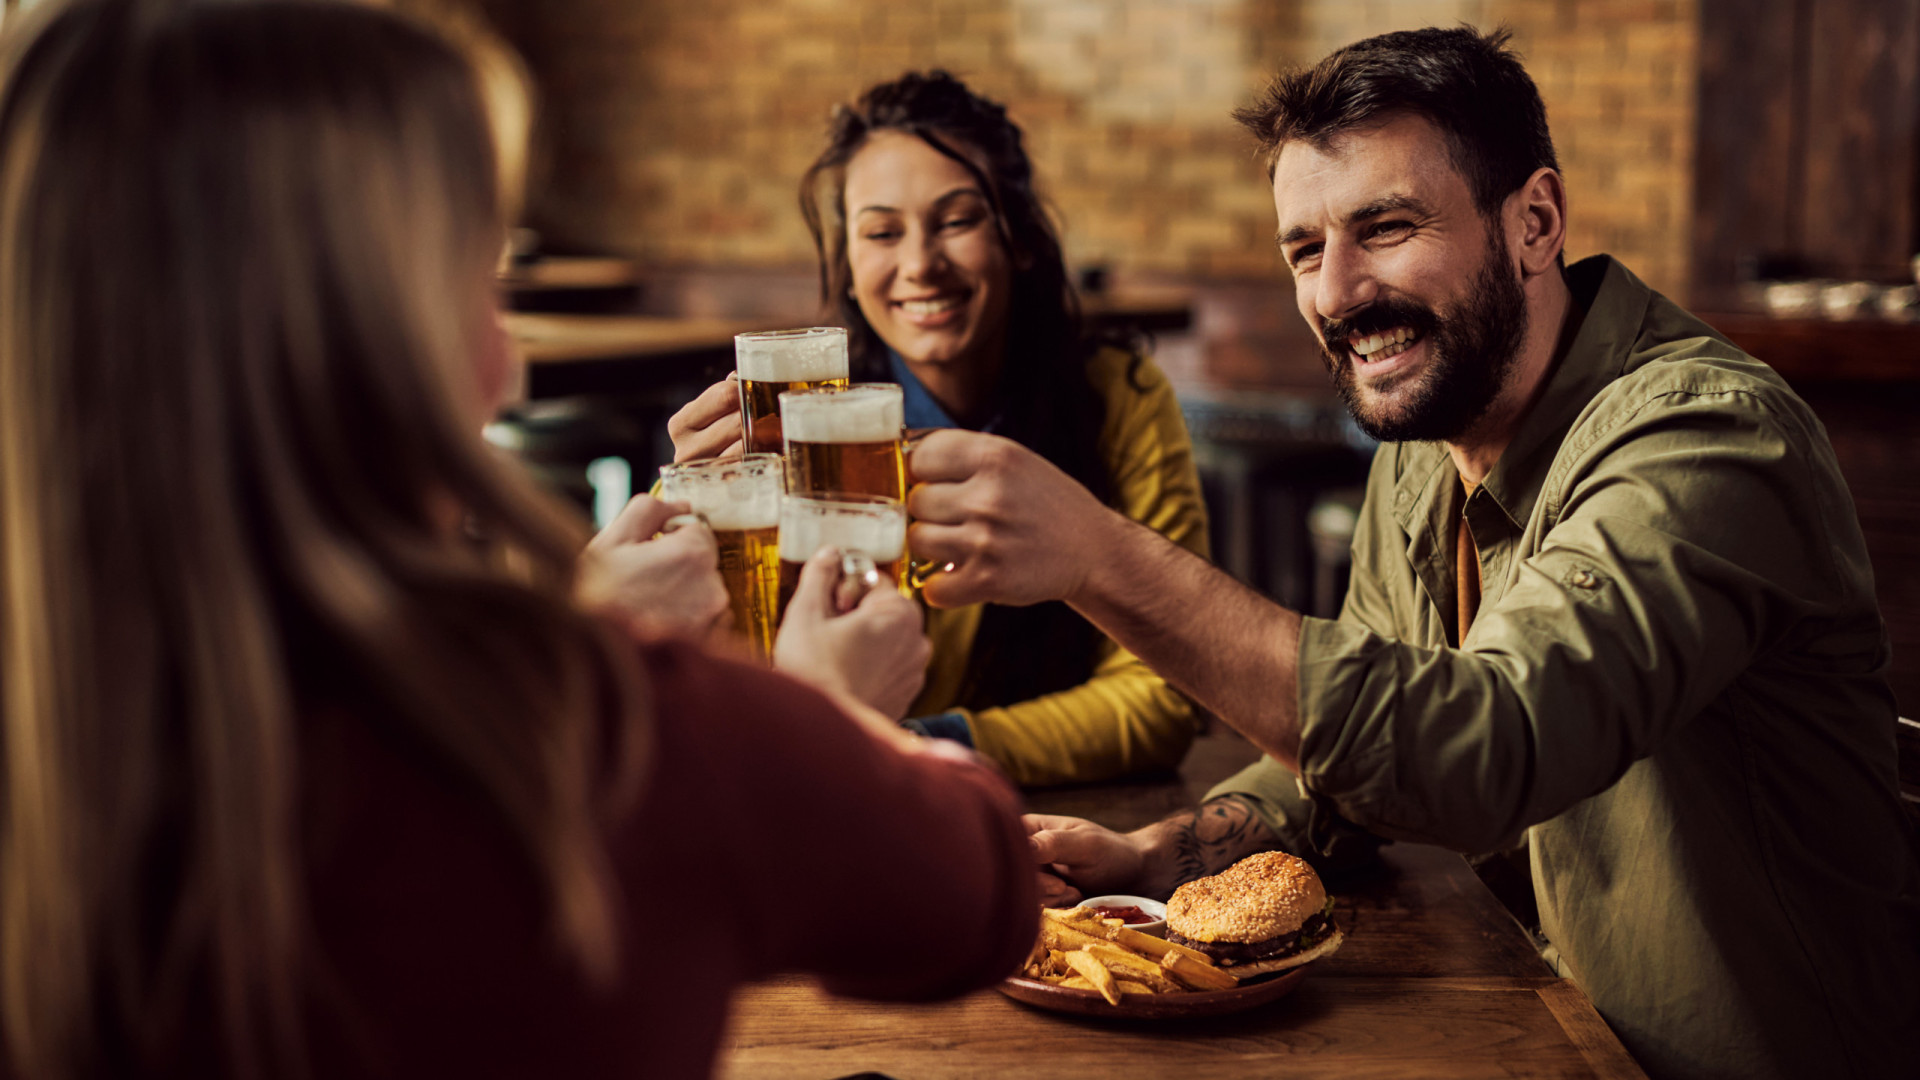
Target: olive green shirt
(1673, 693)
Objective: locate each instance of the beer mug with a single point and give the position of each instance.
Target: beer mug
(739, 499)
(847, 439)
(869, 530)
(773, 362)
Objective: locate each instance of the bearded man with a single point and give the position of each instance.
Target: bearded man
(1609, 598)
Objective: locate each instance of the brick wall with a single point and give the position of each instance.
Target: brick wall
(676, 131)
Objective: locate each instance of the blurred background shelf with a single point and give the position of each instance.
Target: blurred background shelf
(1823, 350)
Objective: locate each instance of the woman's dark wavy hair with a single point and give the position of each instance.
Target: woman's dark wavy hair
(1048, 404)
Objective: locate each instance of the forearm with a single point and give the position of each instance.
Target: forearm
(1223, 645)
(1198, 843)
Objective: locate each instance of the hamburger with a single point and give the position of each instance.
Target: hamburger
(1265, 913)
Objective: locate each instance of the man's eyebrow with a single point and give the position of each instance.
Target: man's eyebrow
(1384, 205)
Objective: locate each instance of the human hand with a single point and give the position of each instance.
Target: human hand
(669, 585)
(709, 425)
(872, 650)
(1015, 529)
(1077, 857)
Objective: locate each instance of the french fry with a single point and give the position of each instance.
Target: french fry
(1195, 974)
(1058, 934)
(1090, 968)
(1158, 948)
(1133, 966)
(1117, 932)
(1104, 955)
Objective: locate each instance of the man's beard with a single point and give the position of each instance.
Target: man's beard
(1470, 352)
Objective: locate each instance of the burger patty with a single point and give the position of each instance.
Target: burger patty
(1229, 953)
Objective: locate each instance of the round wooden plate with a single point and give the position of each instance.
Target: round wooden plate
(1152, 1006)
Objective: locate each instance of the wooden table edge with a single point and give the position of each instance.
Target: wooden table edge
(1588, 1031)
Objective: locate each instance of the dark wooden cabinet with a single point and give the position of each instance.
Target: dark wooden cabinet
(1808, 145)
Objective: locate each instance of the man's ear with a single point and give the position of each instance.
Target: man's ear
(1536, 217)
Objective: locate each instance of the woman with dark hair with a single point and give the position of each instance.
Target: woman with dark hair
(941, 260)
(313, 762)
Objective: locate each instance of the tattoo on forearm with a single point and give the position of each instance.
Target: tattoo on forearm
(1213, 836)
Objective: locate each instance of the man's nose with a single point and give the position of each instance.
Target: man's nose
(1344, 285)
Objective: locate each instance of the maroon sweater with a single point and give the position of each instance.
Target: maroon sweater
(774, 835)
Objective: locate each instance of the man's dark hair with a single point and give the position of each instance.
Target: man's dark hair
(1468, 84)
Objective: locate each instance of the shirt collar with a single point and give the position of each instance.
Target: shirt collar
(919, 409)
(1616, 305)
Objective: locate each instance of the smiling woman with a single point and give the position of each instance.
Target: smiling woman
(943, 263)
(940, 259)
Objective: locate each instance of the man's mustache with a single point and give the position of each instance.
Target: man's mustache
(1376, 318)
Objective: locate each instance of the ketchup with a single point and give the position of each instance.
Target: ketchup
(1129, 914)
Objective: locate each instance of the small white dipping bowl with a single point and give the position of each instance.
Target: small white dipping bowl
(1158, 927)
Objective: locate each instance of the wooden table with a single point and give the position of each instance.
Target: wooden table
(1435, 981)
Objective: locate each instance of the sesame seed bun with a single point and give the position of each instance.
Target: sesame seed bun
(1260, 897)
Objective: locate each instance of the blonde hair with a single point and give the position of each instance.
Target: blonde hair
(246, 264)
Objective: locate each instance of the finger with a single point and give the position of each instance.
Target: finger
(718, 439)
(1071, 847)
(940, 503)
(886, 602)
(1056, 893)
(1042, 822)
(813, 596)
(935, 543)
(951, 454)
(640, 519)
(695, 539)
(956, 588)
(713, 403)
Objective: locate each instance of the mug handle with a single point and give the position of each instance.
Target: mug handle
(858, 577)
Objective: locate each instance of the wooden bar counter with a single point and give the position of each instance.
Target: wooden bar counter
(1435, 980)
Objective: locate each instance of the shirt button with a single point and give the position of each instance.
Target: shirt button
(1584, 579)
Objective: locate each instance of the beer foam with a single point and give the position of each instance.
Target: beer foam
(878, 530)
(732, 494)
(748, 513)
(811, 355)
(865, 413)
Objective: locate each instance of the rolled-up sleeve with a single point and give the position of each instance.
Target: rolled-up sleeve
(1680, 545)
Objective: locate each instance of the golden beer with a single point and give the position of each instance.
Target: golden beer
(739, 499)
(867, 526)
(847, 439)
(750, 566)
(778, 361)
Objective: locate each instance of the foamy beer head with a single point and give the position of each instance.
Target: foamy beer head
(869, 530)
(739, 498)
(730, 493)
(816, 354)
(861, 413)
(873, 525)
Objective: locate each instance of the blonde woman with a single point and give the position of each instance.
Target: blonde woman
(313, 765)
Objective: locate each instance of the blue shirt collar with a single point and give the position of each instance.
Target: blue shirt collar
(919, 409)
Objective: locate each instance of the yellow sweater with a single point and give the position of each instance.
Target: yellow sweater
(1124, 719)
